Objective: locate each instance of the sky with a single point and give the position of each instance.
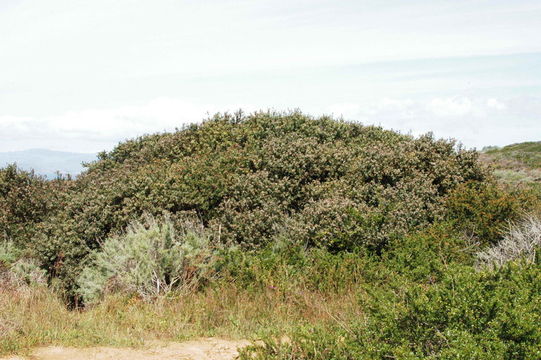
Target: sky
(81, 76)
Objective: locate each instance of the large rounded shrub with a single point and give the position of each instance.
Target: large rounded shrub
(249, 178)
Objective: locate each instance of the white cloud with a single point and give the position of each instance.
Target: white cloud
(476, 122)
(447, 107)
(107, 60)
(92, 130)
(494, 103)
(464, 106)
(346, 110)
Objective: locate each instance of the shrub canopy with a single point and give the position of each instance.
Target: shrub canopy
(26, 200)
(321, 182)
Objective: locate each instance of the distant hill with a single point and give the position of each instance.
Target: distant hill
(516, 163)
(47, 162)
(526, 153)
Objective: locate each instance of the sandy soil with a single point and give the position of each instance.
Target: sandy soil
(201, 349)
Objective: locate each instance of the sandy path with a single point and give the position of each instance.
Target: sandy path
(201, 349)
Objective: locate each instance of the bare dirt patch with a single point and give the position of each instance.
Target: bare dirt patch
(201, 349)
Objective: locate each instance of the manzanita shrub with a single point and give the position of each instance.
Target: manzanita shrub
(26, 200)
(317, 181)
(412, 231)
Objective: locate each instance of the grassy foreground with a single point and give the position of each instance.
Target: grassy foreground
(38, 317)
(426, 298)
(272, 305)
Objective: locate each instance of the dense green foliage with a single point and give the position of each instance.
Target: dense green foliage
(293, 213)
(423, 300)
(26, 200)
(468, 315)
(483, 210)
(251, 178)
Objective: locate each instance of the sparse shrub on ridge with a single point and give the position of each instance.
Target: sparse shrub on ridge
(517, 165)
(525, 154)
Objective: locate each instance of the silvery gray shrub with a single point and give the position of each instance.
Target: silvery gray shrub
(149, 259)
(522, 241)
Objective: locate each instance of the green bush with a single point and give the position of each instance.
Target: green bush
(466, 315)
(27, 271)
(150, 259)
(326, 183)
(483, 210)
(287, 267)
(424, 256)
(26, 200)
(8, 253)
(16, 270)
(423, 298)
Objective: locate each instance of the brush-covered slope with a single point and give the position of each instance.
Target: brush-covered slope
(516, 164)
(254, 179)
(526, 153)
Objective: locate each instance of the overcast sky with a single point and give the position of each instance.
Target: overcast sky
(82, 75)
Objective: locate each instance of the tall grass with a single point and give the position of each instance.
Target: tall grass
(269, 299)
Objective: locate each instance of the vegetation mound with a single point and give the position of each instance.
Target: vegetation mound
(353, 241)
(249, 179)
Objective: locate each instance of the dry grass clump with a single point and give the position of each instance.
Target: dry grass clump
(38, 317)
(522, 241)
